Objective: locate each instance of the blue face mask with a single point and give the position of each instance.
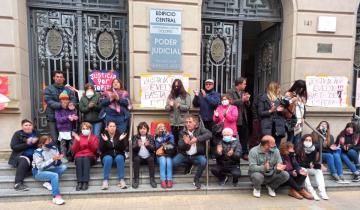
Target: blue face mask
(227, 139)
(273, 149)
(48, 145)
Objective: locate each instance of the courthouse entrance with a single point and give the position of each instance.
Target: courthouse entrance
(76, 37)
(240, 38)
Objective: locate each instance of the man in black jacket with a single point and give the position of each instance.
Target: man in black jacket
(192, 147)
(51, 96)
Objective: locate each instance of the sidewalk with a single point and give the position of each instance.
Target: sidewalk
(338, 200)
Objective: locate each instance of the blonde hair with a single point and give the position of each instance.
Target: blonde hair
(86, 125)
(160, 125)
(273, 91)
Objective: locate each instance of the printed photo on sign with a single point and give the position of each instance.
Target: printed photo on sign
(102, 79)
(329, 91)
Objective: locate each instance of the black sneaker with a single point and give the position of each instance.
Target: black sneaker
(21, 187)
(197, 183)
(223, 181)
(336, 178)
(135, 184)
(79, 186)
(188, 169)
(85, 186)
(235, 182)
(356, 178)
(153, 183)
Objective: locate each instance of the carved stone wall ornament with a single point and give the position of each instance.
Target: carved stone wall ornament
(54, 42)
(105, 44)
(217, 50)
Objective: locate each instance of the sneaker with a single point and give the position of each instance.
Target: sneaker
(323, 196)
(85, 186)
(336, 178)
(79, 186)
(122, 184)
(135, 184)
(169, 184)
(188, 169)
(21, 187)
(343, 181)
(222, 182)
(64, 160)
(58, 200)
(47, 185)
(314, 194)
(256, 193)
(356, 178)
(197, 183)
(105, 185)
(163, 184)
(270, 191)
(153, 183)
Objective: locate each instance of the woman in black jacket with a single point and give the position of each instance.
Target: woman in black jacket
(270, 113)
(112, 148)
(23, 145)
(143, 151)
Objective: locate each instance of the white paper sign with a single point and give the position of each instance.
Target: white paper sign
(156, 88)
(326, 24)
(330, 91)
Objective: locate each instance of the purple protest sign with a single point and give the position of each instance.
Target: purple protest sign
(102, 79)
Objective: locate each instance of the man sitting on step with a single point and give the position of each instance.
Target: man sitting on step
(265, 167)
(192, 148)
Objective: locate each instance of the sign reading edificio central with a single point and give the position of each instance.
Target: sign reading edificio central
(165, 39)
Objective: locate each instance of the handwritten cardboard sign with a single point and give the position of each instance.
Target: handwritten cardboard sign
(102, 79)
(156, 88)
(327, 91)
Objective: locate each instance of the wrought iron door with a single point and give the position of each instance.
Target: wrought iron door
(220, 50)
(266, 58)
(75, 42)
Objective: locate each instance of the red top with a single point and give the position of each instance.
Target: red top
(87, 146)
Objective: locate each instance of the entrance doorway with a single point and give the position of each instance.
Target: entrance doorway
(76, 37)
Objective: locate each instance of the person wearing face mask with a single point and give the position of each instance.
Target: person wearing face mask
(228, 114)
(178, 104)
(90, 106)
(84, 148)
(266, 167)
(270, 112)
(165, 161)
(228, 153)
(349, 143)
(308, 158)
(297, 174)
(47, 166)
(23, 144)
(331, 153)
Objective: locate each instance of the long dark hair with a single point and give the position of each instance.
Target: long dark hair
(316, 136)
(299, 87)
(354, 137)
(121, 84)
(182, 92)
(300, 151)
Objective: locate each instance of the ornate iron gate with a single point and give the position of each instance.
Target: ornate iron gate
(71, 38)
(222, 28)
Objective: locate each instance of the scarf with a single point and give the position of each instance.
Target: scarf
(309, 150)
(115, 105)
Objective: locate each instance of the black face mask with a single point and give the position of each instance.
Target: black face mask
(48, 146)
(291, 154)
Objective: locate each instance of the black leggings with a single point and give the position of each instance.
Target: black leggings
(22, 169)
(83, 165)
(151, 163)
(175, 130)
(296, 182)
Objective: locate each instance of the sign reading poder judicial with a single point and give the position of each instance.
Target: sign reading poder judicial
(165, 39)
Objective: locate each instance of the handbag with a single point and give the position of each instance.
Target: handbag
(217, 128)
(169, 149)
(160, 151)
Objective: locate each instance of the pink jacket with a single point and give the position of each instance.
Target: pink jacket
(230, 119)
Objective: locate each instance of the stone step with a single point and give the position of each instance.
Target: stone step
(10, 195)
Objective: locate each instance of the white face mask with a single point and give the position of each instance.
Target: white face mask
(225, 102)
(307, 144)
(89, 93)
(85, 132)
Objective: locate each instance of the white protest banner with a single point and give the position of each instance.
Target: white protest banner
(327, 91)
(357, 100)
(156, 88)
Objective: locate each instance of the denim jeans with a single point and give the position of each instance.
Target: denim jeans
(185, 160)
(96, 129)
(333, 161)
(51, 175)
(108, 161)
(351, 159)
(165, 164)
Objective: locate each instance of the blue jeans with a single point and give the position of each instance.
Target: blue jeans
(108, 161)
(96, 129)
(333, 161)
(51, 175)
(351, 159)
(185, 160)
(165, 164)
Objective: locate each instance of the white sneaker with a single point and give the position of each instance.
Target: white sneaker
(122, 184)
(271, 191)
(316, 197)
(58, 201)
(256, 193)
(47, 185)
(323, 195)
